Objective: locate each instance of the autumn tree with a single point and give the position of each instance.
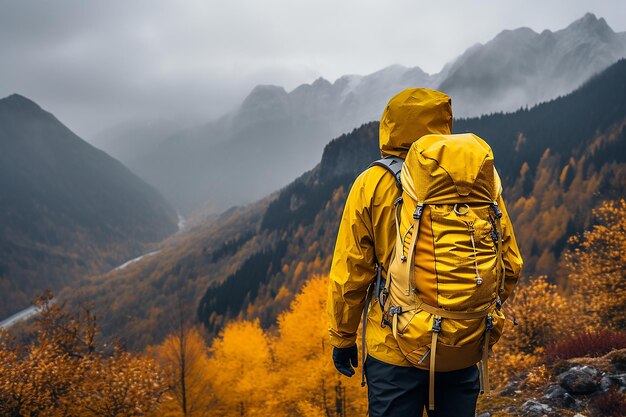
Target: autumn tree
(184, 357)
(539, 314)
(256, 373)
(65, 371)
(122, 384)
(303, 359)
(239, 369)
(596, 267)
(594, 298)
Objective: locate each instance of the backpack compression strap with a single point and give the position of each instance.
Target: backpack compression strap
(393, 164)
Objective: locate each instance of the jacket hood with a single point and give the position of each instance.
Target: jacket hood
(411, 114)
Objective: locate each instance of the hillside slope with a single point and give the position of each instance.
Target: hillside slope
(66, 208)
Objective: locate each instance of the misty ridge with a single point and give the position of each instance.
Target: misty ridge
(276, 135)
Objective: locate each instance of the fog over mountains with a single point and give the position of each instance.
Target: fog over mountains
(275, 135)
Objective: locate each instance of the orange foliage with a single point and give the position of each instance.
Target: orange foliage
(122, 385)
(248, 371)
(65, 372)
(560, 202)
(594, 300)
(543, 315)
(597, 267)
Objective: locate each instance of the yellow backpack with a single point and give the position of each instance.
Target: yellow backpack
(441, 296)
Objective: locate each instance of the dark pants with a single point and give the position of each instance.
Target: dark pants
(398, 391)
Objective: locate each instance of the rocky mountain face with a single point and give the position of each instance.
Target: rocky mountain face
(274, 135)
(66, 208)
(557, 160)
(521, 67)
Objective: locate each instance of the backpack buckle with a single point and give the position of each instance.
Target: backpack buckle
(417, 214)
(494, 237)
(496, 209)
(437, 325)
(395, 310)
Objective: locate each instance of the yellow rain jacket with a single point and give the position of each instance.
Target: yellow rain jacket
(367, 229)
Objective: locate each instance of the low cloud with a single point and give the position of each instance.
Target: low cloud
(98, 63)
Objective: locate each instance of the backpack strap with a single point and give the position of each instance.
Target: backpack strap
(393, 164)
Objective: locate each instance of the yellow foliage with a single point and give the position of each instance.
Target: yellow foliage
(239, 370)
(255, 373)
(544, 316)
(597, 266)
(596, 293)
(538, 377)
(305, 409)
(283, 296)
(303, 358)
(184, 357)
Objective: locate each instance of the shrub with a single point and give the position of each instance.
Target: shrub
(611, 404)
(586, 344)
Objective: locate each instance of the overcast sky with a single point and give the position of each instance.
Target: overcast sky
(99, 62)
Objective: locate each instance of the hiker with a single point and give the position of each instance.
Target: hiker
(408, 316)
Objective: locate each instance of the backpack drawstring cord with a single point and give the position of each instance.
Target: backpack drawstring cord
(470, 229)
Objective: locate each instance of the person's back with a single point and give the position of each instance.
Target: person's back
(365, 240)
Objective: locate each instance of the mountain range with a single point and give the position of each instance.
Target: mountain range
(66, 208)
(558, 160)
(274, 135)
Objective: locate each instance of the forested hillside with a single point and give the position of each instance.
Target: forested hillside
(240, 255)
(533, 365)
(556, 362)
(66, 208)
(558, 161)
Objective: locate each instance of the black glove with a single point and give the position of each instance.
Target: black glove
(345, 359)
